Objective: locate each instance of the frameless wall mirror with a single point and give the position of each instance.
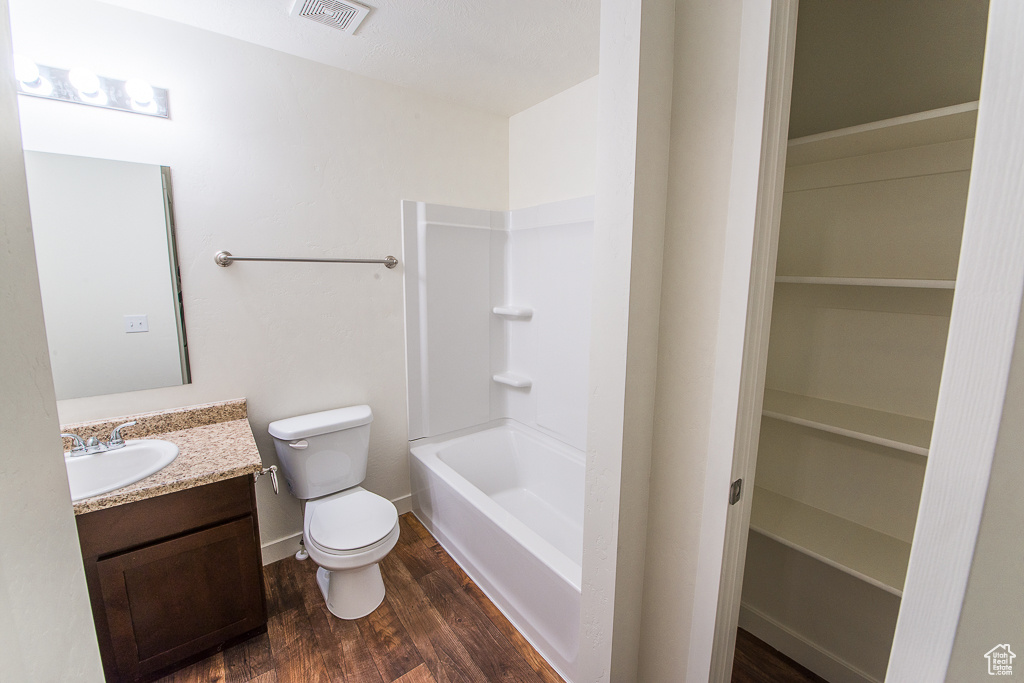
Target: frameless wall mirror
(108, 274)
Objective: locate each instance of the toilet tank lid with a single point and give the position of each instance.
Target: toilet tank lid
(314, 424)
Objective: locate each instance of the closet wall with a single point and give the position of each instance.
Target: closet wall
(869, 241)
(877, 171)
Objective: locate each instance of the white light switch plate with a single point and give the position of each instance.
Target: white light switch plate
(136, 323)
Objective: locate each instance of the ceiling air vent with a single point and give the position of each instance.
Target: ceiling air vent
(344, 16)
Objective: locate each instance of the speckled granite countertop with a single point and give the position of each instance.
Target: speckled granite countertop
(214, 443)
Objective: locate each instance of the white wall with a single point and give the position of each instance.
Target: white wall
(100, 231)
(634, 116)
(271, 155)
(46, 631)
(552, 148)
(703, 118)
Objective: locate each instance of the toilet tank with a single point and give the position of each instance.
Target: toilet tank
(323, 453)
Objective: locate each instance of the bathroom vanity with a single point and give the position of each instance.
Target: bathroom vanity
(173, 562)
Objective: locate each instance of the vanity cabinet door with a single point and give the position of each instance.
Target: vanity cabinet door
(169, 600)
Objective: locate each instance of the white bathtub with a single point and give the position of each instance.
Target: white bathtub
(506, 502)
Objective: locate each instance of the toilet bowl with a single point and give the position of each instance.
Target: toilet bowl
(346, 529)
(347, 534)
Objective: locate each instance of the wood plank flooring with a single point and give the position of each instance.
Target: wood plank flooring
(434, 626)
(758, 662)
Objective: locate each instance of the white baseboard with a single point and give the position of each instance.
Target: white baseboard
(403, 504)
(798, 648)
(281, 548)
(289, 545)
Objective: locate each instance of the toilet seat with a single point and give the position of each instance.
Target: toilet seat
(351, 522)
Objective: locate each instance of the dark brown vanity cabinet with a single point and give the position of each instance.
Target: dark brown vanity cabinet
(173, 576)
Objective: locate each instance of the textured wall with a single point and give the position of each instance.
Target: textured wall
(272, 155)
(552, 148)
(634, 115)
(46, 630)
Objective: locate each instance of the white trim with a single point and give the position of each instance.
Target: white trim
(759, 157)
(982, 330)
(280, 548)
(403, 504)
(798, 648)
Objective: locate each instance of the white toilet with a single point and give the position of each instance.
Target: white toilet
(346, 529)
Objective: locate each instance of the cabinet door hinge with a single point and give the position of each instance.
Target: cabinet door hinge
(735, 492)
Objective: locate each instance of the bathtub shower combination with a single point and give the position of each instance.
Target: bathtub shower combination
(498, 333)
(507, 503)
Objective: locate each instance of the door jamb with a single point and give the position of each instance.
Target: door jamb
(724, 527)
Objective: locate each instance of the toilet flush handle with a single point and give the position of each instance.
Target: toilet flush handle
(299, 445)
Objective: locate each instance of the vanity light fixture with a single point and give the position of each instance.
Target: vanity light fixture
(82, 86)
(87, 85)
(29, 80)
(140, 95)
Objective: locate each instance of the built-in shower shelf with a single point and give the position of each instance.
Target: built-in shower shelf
(520, 312)
(869, 555)
(901, 432)
(513, 380)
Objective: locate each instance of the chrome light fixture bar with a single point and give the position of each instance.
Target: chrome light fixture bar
(84, 87)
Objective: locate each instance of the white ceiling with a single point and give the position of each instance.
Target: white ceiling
(502, 56)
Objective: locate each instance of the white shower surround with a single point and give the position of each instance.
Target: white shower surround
(506, 502)
(497, 346)
(460, 264)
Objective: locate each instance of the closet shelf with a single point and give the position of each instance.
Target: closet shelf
(513, 380)
(869, 555)
(522, 312)
(923, 128)
(866, 282)
(901, 432)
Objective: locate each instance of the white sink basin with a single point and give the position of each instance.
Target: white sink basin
(96, 473)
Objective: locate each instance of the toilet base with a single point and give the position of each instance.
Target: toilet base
(351, 593)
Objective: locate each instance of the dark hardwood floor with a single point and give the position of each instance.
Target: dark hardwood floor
(758, 662)
(434, 626)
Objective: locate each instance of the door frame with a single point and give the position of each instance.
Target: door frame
(983, 324)
(712, 649)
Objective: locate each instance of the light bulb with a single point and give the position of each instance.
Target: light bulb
(85, 81)
(139, 91)
(25, 70)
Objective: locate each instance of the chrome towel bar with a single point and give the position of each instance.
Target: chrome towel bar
(225, 259)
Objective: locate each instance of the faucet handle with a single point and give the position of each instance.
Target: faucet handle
(79, 445)
(116, 440)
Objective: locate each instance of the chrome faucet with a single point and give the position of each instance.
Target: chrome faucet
(116, 440)
(94, 445)
(79, 446)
